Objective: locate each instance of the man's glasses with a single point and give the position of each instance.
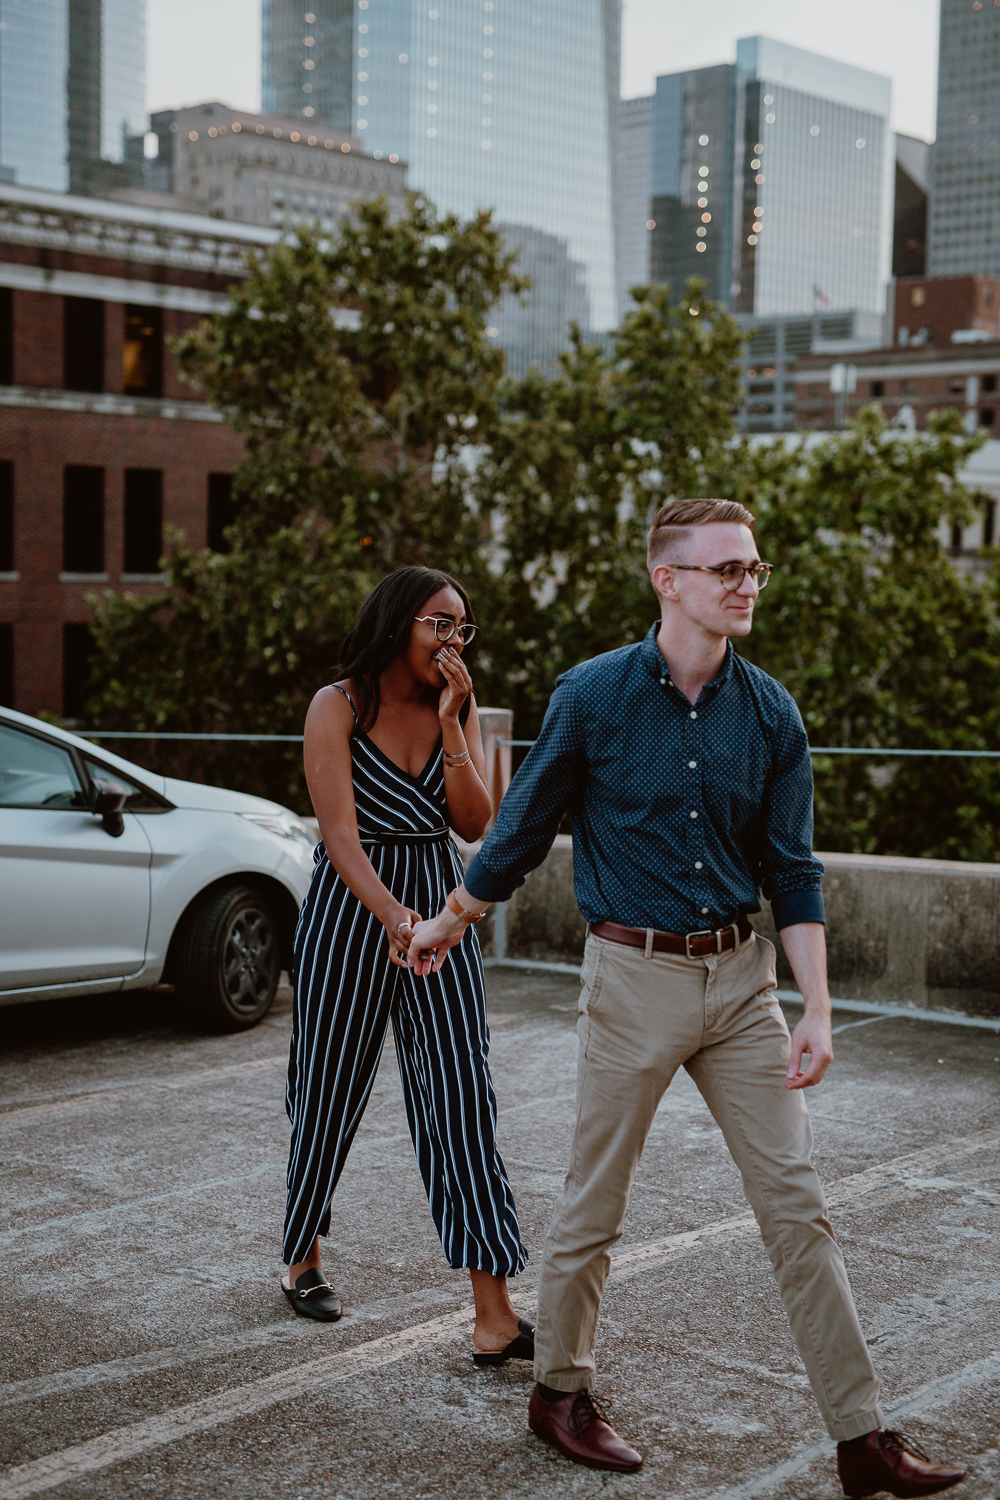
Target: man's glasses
(731, 575)
(445, 629)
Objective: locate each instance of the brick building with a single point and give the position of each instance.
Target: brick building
(101, 444)
(908, 383)
(945, 352)
(942, 310)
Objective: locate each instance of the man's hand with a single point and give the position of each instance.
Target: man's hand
(811, 1037)
(430, 942)
(805, 949)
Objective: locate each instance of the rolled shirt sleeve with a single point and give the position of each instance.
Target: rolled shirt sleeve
(532, 809)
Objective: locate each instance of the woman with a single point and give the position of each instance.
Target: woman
(393, 757)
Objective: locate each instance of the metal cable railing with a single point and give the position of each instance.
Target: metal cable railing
(296, 739)
(850, 750)
(155, 734)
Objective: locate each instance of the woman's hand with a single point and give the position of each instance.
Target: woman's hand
(430, 942)
(399, 923)
(457, 683)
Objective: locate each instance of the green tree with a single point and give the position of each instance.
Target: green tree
(581, 458)
(359, 373)
(879, 638)
(361, 377)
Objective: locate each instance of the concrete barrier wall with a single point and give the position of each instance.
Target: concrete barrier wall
(916, 932)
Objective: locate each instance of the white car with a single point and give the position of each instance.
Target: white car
(114, 878)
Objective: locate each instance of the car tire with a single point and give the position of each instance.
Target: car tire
(228, 959)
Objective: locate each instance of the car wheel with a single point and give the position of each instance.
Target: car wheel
(228, 961)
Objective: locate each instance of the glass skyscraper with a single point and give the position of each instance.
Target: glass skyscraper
(72, 87)
(964, 218)
(772, 179)
(508, 104)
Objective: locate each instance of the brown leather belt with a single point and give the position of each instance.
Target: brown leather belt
(691, 944)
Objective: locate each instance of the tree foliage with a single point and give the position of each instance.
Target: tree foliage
(379, 430)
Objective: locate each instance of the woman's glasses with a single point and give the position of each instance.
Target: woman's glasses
(445, 629)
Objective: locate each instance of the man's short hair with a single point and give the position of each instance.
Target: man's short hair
(673, 521)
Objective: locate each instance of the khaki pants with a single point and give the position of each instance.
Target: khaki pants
(641, 1019)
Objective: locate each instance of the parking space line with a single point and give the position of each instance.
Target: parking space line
(57, 1107)
(124, 1094)
(928, 1395)
(241, 1401)
(841, 1191)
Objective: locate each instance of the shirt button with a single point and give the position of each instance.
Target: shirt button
(697, 864)
(693, 714)
(663, 681)
(704, 911)
(694, 815)
(692, 764)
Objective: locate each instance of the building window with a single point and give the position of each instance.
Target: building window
(143, 520)
(989, 382)
(989, 522)
(83, 344)
(6, 517)
(908, 387)
(83, 519)
(878, 387)
(956, 539)
(221, 510)
(987, 416)
(6, 666)
(78, 646)
(142, 357)
(6, 336)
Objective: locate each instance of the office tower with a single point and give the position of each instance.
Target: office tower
(964, 229)
(909, 232)
(510, 106)
(815, 229)
(634, 146)
(72, 84)
(772, 179)
(307, 58)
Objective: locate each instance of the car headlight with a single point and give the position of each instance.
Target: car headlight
(286, 825)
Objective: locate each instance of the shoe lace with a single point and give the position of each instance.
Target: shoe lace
(898, 1442)
(586, 1410)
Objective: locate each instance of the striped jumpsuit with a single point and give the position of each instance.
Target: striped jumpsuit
(347, 991)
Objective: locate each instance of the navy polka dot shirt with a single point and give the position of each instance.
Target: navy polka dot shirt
(681, 815)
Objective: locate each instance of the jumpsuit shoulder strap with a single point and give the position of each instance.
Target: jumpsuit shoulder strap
(349, 699)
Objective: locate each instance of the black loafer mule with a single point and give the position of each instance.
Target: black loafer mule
(522, 1347)
(314, 1297)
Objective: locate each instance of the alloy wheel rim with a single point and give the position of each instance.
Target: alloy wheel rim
(248, 959)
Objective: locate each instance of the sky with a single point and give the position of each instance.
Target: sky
(210, 49)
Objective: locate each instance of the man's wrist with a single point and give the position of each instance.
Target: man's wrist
(474, 905)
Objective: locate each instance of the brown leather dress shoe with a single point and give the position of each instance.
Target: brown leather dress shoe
(887, 1460)
(579, 1429)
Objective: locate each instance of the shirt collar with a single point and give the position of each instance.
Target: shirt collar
(655, 664)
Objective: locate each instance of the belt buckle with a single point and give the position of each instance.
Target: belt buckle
(704, 932)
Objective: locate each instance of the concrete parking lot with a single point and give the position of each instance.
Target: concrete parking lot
(147, 1350)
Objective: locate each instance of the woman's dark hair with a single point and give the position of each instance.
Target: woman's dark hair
(382, 632)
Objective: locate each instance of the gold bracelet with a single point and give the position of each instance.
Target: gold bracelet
(457, 910)
(454, 765)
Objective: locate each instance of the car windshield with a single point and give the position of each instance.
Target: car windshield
(36, 773)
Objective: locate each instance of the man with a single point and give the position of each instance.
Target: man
(688, 774)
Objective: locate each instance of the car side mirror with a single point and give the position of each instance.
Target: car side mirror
(108, 805)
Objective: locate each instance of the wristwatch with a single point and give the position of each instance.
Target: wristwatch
(457, 910)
